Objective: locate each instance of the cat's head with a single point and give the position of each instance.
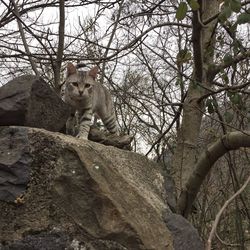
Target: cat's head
(79, 83)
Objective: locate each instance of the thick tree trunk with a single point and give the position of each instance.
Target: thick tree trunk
(186, 152)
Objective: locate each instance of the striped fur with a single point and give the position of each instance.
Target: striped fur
(87, 98)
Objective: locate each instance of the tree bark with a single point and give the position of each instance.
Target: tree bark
(60, 48)
(203, 39)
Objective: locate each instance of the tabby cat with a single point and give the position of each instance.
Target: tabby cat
(87, 97)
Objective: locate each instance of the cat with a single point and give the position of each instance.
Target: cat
(87, 97)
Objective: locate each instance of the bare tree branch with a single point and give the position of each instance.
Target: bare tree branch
(217, 68)
(111, 39)
(30, 31)
(25, 44)
(230, 141)
(232, 88)
(60, 48)
(217, 219)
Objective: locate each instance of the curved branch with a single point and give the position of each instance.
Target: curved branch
(144, 33)
(230, 141)
(217, 219)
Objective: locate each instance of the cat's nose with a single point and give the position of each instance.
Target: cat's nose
(80, 92)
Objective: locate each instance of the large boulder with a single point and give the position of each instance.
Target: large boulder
(29, 101)
(59, 192)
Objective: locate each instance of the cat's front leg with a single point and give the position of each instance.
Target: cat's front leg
(85, 117)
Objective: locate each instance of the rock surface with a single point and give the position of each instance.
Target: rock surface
(84, 195)
(29, 101)
(185, 236)
(15, 162)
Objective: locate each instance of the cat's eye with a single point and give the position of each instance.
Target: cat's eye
(75, 84)
(87, 85)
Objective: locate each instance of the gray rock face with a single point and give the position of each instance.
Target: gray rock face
(84, 195)
(29, 101)
(41, 241)
(15, 161)
(59, 241)
(185, 236)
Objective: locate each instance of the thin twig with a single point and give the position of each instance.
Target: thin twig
(29, 30)
(225, 243)
(60, 48)
(217, 219)
(25, 44)
(111, 39)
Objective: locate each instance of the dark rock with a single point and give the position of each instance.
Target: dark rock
(15, 161)
(58, 241)
(29, 101)
(171, 193)
(185, 236)
(41, 241)
(104, 245)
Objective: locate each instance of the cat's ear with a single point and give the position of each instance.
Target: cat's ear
(71, 69)
(93, 72)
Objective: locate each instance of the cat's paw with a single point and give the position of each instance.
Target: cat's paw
(82, 136)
